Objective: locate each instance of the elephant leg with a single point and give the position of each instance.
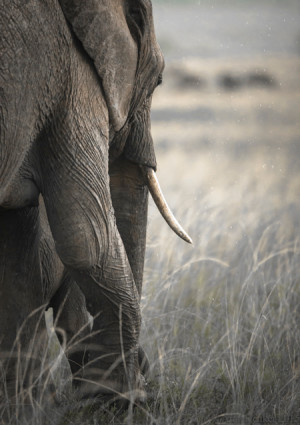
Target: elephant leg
(22, 325)
(72, 323)
(77, 198)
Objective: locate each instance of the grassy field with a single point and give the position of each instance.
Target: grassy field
(220, 318)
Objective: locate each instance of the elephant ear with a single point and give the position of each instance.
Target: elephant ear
(102, 29)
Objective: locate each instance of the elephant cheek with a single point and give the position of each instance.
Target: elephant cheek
(139, 146)
(130, 201)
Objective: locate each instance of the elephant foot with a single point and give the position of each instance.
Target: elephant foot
(117, 389)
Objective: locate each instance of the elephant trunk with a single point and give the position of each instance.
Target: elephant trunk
(130, 201)
(161, 203)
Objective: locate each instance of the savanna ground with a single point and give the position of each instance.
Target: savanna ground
(221, 318)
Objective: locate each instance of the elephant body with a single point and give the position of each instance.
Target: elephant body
(76, 80)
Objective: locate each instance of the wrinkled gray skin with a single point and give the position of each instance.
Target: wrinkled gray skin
(76, 80)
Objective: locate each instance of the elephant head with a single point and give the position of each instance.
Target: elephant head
(75, 127)
(119, 36)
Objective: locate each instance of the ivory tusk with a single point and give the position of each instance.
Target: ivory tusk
(161, 203)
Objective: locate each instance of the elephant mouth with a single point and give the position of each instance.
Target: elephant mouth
(159, 199)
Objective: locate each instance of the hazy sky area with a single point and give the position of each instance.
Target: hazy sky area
(220, 29)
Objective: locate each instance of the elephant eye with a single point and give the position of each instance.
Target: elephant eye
(159, 80)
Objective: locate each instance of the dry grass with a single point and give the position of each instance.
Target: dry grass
(222, 318)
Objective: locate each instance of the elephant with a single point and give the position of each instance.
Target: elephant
(76, 164)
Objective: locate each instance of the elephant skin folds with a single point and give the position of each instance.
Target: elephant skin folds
(76, 81)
